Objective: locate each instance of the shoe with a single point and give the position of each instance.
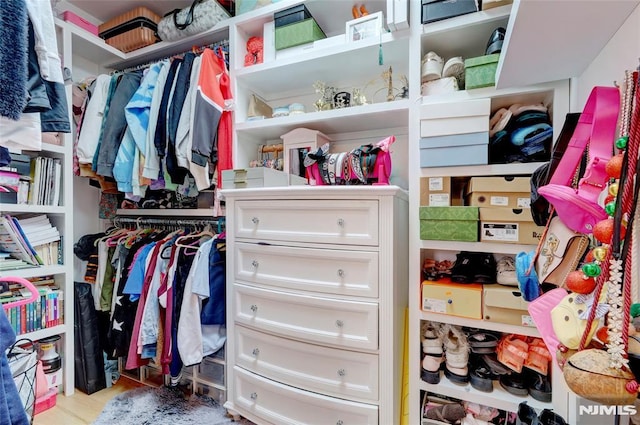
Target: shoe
(512, 352)
(539, 386)
(538, 357)
(527, 414)
(499, 121)
(494, 45)
(480, 375)
(449, 413)
(506, 271)
(494, 365)
(547, 417)
(463, 270)
(485, 268)
(432, 65)
(454, 67)
(483, 342)
(515, 384)
(433, 353)
(456, 349)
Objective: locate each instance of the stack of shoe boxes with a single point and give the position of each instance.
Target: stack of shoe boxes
(504, 211)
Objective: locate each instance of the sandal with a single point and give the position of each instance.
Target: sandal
(483, 342)
(434, 353)
(449, 413)
(539, 387)
(538, 357)
(512, 352)
(456, 353)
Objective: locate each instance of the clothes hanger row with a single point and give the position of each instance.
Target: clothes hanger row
(223, 44)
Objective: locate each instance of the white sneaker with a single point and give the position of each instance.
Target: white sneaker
(454, 67)
(431, 67)
(506, 268)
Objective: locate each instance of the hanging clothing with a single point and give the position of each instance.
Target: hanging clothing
(13, 58)
(89, 132)
(11, 408)
(151, 168)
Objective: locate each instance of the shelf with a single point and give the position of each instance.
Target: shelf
(47, 147)
(499, 248)
(530, 94)
(35, 271)
(167, 213)
(89, 46)
(482, 170)
(465, 35)
(354, 62)
(498, 398)
(27, 208)
(577, 35)
(479, 323)
(356, 118)
(44, 333)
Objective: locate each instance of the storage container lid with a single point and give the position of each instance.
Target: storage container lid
(449, 213)
(294, 9)
(481, 60)
(504, 297)
(468, 139)
(505, 214)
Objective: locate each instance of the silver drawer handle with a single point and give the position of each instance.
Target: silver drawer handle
(255, 263)
(342, 372)
(254, 396)
(340, 272)
(255, 220)
(256, 351)
(339, 323)
(254, 308)
(340, 222)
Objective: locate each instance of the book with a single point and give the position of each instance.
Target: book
(12, 242)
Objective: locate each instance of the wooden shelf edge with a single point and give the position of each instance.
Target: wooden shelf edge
(479, 323)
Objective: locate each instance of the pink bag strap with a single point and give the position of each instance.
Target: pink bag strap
(596, 128)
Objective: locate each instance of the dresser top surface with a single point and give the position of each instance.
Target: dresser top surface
(316, 192)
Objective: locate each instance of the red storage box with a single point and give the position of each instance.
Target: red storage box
(47, 401)
(80, 22)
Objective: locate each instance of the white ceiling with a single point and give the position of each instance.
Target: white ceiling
(103, 10)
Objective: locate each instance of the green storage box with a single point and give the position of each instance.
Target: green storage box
(298, 33)
(449, 223)
(481, 71)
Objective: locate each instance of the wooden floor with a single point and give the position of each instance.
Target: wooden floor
(82, 409)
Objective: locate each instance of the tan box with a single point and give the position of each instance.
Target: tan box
(456, 299)
(504, 304)
(509, 192)
(435, 191)
(508, 225)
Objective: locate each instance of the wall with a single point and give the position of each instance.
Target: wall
(621, 53)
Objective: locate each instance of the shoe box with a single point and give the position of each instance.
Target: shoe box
(504, 304)
(449, 223)
(490, 4)
(455, 133)
(445, 297)
(440, 191)
(507, 225)
(437, 10)
(295, 26)
(501, 192)
(481, 71)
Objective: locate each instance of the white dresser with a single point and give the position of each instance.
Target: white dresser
(317, 281)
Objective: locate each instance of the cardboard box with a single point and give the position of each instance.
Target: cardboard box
(298, 33)
(504, 304)
(449, 223)
(508, 225)
(457, 299)
(481, 71)
(455, 118)
(259, 177)
(435, 191)
(509, 192)
(455, 150)
(437, 10)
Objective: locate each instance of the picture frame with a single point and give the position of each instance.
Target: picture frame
(366, 27)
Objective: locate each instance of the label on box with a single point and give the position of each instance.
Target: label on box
(434, 305)
(500, 201)
(439, 200)
(524, 202)
(528, 321)
(500, 232)
(436, 184)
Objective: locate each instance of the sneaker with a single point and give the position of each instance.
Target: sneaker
(431, 67)
(506, 271)
(485, 268)
(456, 349)
(463, 270)
(454, 67)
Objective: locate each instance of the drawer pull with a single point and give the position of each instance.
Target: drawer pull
(340, 272)
(340, 222)
(339, 422)
(342, 372)
(256, 351)
(254, 308)
(254, 396)
(255, 220)
(255, 264)
(339, 323)
(449, 301)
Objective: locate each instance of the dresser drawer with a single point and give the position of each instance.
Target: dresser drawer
(330, 371)
(347, 222)
(327, 321)
(285, 405)
(321, 270)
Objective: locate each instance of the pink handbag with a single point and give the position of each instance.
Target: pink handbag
(578, 208)
(540, 311)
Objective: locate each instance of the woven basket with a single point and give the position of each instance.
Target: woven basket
(135, 38)
(588, 374)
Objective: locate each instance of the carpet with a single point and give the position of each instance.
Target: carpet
(163, 406)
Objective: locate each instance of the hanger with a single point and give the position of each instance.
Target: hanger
(24, 282)
(181, 241)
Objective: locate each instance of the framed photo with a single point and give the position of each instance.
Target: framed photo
(368, 26)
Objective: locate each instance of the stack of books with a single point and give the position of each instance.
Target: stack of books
(31, 241)
(34, 181)
(43, 238)
(45, 312)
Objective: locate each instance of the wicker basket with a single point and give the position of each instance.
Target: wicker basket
(588, 374)
(132, 30)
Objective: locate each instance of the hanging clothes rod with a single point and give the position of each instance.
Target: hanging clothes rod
(182, 222)
(195, 49)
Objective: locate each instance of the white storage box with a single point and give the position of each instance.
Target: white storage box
(442, 119)
(455, 150)
(259, 177)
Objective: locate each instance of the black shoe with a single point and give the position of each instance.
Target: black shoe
(539, 386)
(464, 269)
(494, 45)
(547, 417)
(527, 414)
(514, 384)
(481, 378)
(485, 268)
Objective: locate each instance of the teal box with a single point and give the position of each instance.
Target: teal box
(449, 223)
(298, 33)
(481, 71)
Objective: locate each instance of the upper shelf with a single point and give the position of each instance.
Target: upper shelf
(89, 46)
(346, 120)
(553, 40)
